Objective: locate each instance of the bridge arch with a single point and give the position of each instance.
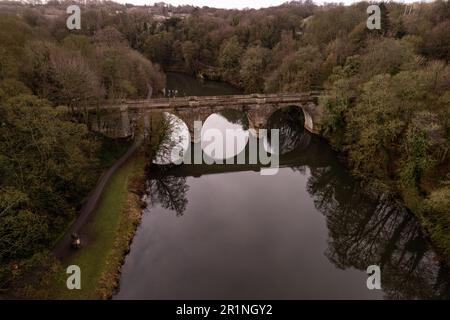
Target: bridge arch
(292, 121)
(182, 124)
(176, 144)
(308, 122)
(231, 127)
(259, 114)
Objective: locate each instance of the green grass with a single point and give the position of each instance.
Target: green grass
(100, 254)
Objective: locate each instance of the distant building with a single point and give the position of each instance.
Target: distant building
(158, 17)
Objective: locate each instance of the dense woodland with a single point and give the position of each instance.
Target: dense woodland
(386, 95)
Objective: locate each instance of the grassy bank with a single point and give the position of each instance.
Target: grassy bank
(111, 150)
(106, 239)
(108, 235)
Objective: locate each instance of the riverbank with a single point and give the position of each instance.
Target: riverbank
(108, 235)
(62, 249)
(433, 212)
(429, 202)
(106, 240)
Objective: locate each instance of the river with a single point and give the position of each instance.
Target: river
(308, 232)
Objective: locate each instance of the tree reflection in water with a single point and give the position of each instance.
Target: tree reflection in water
(363, 229)
(292, 134)
(366, 230)
(167, 190)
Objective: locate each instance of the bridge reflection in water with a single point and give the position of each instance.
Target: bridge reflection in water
(361, 228)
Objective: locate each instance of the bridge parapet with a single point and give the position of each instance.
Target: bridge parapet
(196, 101)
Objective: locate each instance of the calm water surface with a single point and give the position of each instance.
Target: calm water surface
(308, 232)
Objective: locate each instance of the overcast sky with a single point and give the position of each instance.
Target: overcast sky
(229, 4)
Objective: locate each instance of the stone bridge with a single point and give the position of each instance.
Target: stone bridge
(257, 107)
